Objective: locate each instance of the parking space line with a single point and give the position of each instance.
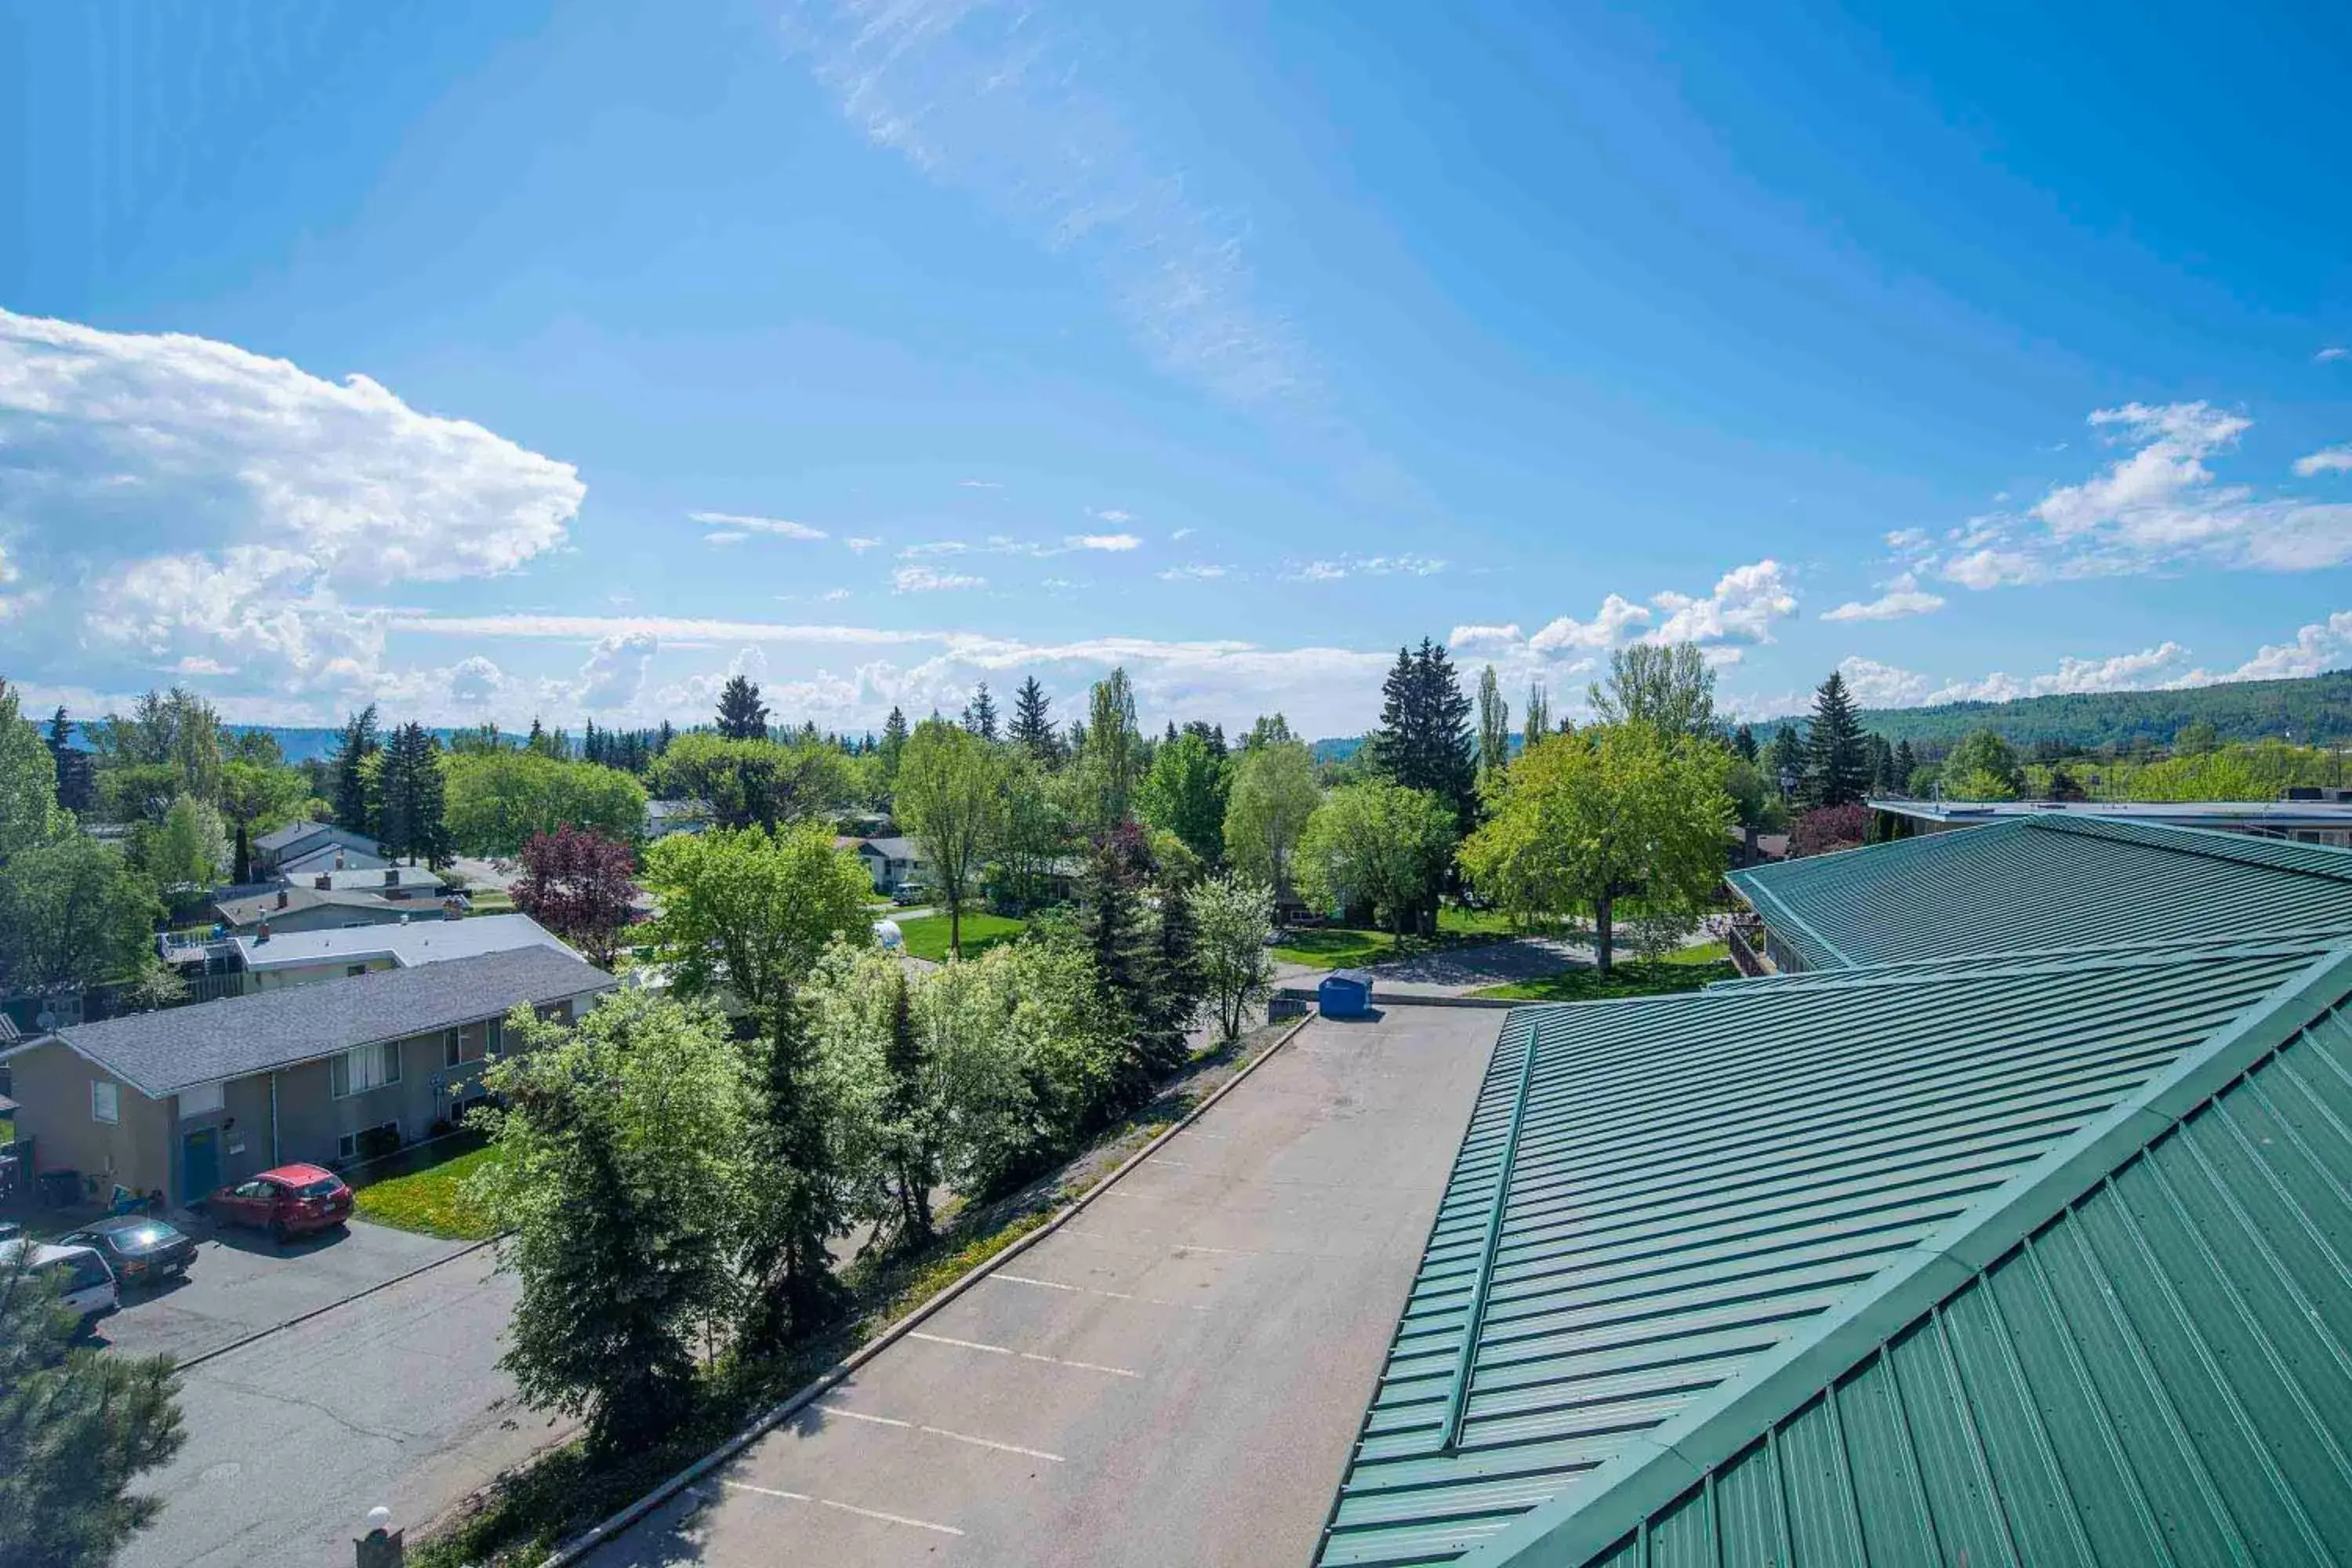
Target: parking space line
(941, 1432)
(1024, 1356)
(843, 1507)
(1181, 1245)
(1096, 1291)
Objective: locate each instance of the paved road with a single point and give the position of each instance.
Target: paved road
(393, 1399)
(1174, 1377)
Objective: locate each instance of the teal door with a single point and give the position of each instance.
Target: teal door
(199, 1164)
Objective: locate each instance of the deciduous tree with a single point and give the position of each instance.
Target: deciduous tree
(1232, 917)
(1494, 723)
(1186, 793)
(1379, 847)
(73, 912)
(580, 885)
(752, 783)
(496, 799)
(1670, 689)
(1110, 759)
(28, 783)
(951, 797)
(747, 913)
(1273, 793)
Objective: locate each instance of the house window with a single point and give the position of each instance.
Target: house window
(200, 1099)
(497, 1036)
(363, 1067)
(105, 1101)
(461, 1046)
(352, 1145)
(354, 969)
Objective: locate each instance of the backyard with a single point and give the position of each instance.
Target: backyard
(927, 935)
(1686, 969)
(1350, 947)
(422, 1189)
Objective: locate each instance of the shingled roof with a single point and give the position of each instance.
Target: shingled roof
(2059, 881)
(2030, 1261)
(162, 1052)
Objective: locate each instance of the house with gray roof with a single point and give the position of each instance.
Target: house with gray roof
(299, 848)
(186, 1099)
(306, 958)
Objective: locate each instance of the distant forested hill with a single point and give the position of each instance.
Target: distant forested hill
(2316, 708)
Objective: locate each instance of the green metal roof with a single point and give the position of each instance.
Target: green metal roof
(1676, 1220)
(2046, 883)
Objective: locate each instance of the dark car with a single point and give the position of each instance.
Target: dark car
(291, 1201)
(139, 1250)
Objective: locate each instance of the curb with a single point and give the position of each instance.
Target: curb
(237, 1345)
(572, 1550)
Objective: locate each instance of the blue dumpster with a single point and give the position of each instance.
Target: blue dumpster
(1345, 993)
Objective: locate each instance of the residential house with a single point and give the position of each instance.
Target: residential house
(893, 863)
(307, 907)
(664, 817)
(2041, 882)
(186, 1098)
(296, 847)
(276, 961)
(2021, 1259)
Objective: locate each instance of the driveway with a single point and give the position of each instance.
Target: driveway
(1176, 1376)
(242, 1283)
(392, 1399)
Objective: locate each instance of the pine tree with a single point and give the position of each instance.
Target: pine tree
(916, 1159)
(1176, 993)
(980, 713)
(1837, 755)
(1110, 924)
(799, 1206)
(741, 715)
(894, 742)
(1424, 741)
(1743, 741)
(1906, 762)
(1494, 723)
(1788, 759)
(428, 816)
(1882, 765)
(1033, 723)
(355, 806)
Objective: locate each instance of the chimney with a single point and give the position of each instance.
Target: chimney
(261, 935)
(283, 895)
(338, 860)
(324, 880)
(392, 876)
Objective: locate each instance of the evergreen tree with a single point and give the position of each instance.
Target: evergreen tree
(1494, 723)
(1743, 741)
(980, 713)
(1424, 741)
(1837, 755)
(1110, 923)
(915, 1156)
(1033, 723)
(412, 810)
(894, 740)
(1788, 759)
(354, 804)
(663, 736)
(1906, 762)
(741, 715)
(1176, 993)
(1882, 765)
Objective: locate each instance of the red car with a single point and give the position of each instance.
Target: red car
(291, 1201)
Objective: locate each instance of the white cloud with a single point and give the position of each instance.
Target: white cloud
(924, 580)
(1877, 685)
(935, 547)
(726, 536)
(1203, 573)
(1113, 516)
(669, 629)
(1005, 102)
(1183, 533)
(2326, 460)
(832, 594)
(1745, 604)
(861, 546)
(616, 671)
(2316, 649)
(1906, 539)
(1991, 568)
(739, 524)
(979, 485)
(475, 682)
(1111, 542)
(198, 664)
(1364, 566)
(1467, 638)
(1611, 625)
(208, 503)
(2142, 491)
(1903, 597)
(2329, 355)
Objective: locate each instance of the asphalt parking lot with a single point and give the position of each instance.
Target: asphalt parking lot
(1175, 1376)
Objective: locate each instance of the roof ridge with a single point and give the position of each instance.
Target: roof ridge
(1653, 1470)
(2211, 842)
(2025, 961)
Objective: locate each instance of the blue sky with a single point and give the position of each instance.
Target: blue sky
(562, 360)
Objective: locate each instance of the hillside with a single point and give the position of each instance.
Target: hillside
(2316, 708)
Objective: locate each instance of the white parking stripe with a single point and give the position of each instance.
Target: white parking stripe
(942, 1432)
(1096, 1291)
(1024, 1356)
(845, 1507)
(1132, 1246)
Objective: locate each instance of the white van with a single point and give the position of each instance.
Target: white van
(86, 1282)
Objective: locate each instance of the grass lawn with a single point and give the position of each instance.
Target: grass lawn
(1685, 971)
(490, 901)
(1344, 947)
(927, 935)
(426, 1197)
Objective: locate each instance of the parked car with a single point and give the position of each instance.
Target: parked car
(85, 1283)
(909, 894)
(139, 1250)
(10, 1230)
(291, 1201)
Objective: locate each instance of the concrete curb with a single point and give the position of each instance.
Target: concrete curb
(572, 1550)
(1414, 999)
(237, 1345)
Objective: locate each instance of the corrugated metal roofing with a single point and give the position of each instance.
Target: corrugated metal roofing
(2160, 1371)
(1656, 1197)
(2046, 882)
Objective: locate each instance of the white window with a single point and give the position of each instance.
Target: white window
(200, 1098)
(105, 1101)
(363, 1067)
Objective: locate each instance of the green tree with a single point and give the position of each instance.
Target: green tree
(2196, 739)
(1785, 765)
(1743, 741)
(752, 783)
(616, 1184)
(951, 797)
(1983, 766)
(1174, 989)
(1538, 723)
(1269, 730)
(1616, 811)
(747, 913)
(741, 715)
(176, 730)
(496, 801)
(1111, 758)
(354, 794)
(1379, 847)
(1837, 754)
(1033, 724)
(1186, 793)
(1035, 837)
(28, 783)
(1424, 741)
(1112, 926)
(1670, 689)
(1233, 916)
(73, 912)
(1906, 763)
(894, 745)
(1494, 723)
(980, 713)
(256, 798)
(190, 850)
(1273, 793)
(78, 1425)
(412, 797)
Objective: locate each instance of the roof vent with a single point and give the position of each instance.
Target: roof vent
(392, 876)
(323, 881)
(283, 895)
